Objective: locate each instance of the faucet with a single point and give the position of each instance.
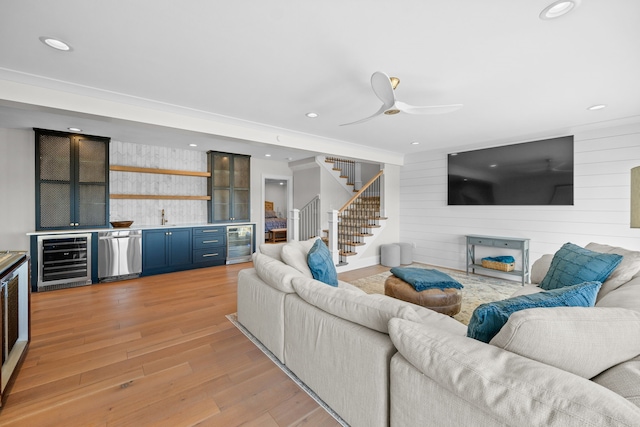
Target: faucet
(164, 220)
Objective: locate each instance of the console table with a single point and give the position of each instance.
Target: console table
(512, 243)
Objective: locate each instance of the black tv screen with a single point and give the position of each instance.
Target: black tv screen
(530, 173)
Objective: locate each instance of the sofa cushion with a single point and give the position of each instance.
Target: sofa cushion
(628, 267)
(584, 341)
(373, 311)
(540, 267)
(488, 318)
(572, 265)
(274, 250)
(275, 273)
(512, 389)
(321, 264)
(623, 379)
(295, 255)
(626, 296)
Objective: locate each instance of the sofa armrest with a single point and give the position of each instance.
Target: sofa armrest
(508, 388)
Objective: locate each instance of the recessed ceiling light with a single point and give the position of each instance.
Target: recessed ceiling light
(193, 145)
(282, 183)
(312, 115)
(558, 9)
(56, 43)
(267, 155)
(75, 129)
(596, 107)
(493, 166)
(415, 143)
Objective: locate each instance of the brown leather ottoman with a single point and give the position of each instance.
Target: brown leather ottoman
(445, 301)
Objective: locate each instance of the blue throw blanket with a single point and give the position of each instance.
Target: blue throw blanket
(507, 259)
(424, 278)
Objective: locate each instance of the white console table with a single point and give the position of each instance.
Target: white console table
(513, 243)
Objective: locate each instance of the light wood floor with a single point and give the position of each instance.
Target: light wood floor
(153, 351)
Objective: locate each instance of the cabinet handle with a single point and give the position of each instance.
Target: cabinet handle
(210, 241)
(210, 231)
(206, 255)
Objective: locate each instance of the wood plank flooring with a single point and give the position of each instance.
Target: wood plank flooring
(153, 351)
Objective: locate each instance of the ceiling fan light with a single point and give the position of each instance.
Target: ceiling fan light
(558, 9)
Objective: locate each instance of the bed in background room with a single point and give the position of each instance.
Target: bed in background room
(273, 222)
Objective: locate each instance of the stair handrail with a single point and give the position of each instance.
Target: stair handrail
(362, 190)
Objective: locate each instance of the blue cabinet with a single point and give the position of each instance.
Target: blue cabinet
(166, 250)
(209, 246)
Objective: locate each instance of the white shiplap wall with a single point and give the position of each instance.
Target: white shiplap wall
(603, 160)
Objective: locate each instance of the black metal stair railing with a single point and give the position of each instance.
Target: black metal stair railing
(346, 167)
(358, 217)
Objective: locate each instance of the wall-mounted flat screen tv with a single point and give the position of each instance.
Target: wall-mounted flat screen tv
(530, 173)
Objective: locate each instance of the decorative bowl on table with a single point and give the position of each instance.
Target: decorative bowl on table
(121, 224)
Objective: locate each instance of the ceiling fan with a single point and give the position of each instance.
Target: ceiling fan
(383, 86)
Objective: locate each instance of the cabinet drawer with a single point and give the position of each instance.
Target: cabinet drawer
(480, 241)
(209, 255)
(209, 231)
(511, 244)
(201, 242)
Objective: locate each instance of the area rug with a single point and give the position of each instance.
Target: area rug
(477, 289)
(233, 318)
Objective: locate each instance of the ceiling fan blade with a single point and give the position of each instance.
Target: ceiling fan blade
(431, 109)
(377, 113)
(381, 85)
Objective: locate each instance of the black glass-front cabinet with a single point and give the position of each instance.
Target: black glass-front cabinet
(72, 180)
(229, 187)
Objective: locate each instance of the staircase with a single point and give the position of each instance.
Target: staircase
(360, 217)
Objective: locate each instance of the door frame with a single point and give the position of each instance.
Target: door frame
(289, 180)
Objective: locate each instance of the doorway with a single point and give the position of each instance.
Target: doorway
(277, 192)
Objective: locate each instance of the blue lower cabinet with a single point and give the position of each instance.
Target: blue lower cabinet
(166, 250)
(209, 246)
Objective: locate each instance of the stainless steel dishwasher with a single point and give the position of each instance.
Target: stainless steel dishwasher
(119, 254)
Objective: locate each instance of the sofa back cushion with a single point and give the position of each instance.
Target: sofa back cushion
(584, 341)
(623, 379)
(628, 267)
(273, 250)
(372, 311)
(514, 390)
(275, 273)
(294, 253)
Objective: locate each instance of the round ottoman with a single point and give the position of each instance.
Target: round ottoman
(390, 255)
(406, 253)
(445, 301)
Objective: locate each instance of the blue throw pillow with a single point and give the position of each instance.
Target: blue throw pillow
(487, 319)
(572, 265)
(321, 264)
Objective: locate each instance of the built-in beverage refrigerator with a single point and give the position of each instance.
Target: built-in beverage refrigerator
(239, 243)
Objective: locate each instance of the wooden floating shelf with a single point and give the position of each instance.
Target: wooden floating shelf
(158, 171)
(158, 196)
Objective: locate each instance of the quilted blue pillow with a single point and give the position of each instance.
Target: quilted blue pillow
(573, 264)
(321, 264)
(487, 319)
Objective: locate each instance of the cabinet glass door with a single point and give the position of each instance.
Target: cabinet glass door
(92, 182)
(55, 175)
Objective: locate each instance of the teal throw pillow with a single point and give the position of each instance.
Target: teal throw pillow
(573, 264)
(487, 319)
(321, 264)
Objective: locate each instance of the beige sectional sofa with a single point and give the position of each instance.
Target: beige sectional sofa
(378, 361)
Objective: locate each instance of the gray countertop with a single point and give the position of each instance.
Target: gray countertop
(136, 227)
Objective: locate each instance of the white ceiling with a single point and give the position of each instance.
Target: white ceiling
(250, 70)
